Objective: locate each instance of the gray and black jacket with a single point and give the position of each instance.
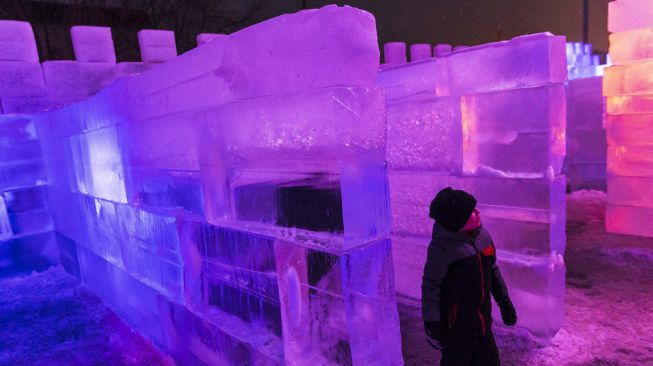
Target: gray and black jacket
(459, 275)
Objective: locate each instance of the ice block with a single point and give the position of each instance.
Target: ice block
(394, 53)
(21, 79)
(93, 44)
(420, 51)
(70, 78)
(626, 15)
(157, 45)
(17, 42)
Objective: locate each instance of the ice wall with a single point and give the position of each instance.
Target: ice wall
(27, 239)
(490, 120)
(629, 121)
(585, 164)
(26, 86)
(232, 203)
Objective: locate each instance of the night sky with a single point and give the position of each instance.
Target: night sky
(473, 22)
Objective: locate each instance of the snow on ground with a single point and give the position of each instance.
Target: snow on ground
(48, 318)
(609, 299)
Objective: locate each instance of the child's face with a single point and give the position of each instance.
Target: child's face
(473, 222)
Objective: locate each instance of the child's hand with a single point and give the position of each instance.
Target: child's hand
(433, 333)
(508, 313)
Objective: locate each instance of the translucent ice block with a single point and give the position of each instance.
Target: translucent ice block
(636, 161)
(415, 80)
(587, 146)
(585, 103)
(93, 44)
(22, 174)
(634, 79)
(630, 191)
(629, 104)
(425, 134)
(23, 254)
(337, 308)
(537, 290)
(522, 62)
(130, 68)
(64, 78)
(20, 79)
(632, 130)
(17, 42)
(442, 49)
(631, 46)
(629, 220)
(625, 15)
(514, 132)
(157, 45)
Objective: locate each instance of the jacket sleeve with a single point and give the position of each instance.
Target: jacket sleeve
(499, 289)
(434, 271)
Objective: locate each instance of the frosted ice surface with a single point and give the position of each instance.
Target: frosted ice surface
(420, 51)
(130, 68)
(20, 79)
(425, 135)
(415, 80)
(93, 44)
(69, 78)
(630, 160)
(626, 15)
(630, 191)
(17, 42)
(634, 130)
(157, 45)
(394, 53)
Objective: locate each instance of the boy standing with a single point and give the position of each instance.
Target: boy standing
(459, 276)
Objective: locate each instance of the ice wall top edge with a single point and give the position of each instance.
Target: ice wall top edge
(522, 62)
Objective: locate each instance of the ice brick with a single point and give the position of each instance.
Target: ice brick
(537, 287)
(23, 254)
(442, 49)
(585, 104)
(425, 135)
(625, 15)
(587, 146)
(296, 47)
(67, 78)
(21, 79)
(629, 220)
(629, 46)
(587, 176)
(630, 191)
(420, 51)
(207, 37)
(394, 53)
(157, 45)
(525, 61)
(629, 104)
(93, 44)
(22, 174)
(17, 42)
(632, 130)
(630, 79)
(514, 131)
(630, 160)
(415, 80)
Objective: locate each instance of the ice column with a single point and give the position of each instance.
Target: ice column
(629, 121)
(232, 202)
(490, 120)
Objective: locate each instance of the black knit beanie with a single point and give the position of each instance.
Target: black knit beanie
(451, 208)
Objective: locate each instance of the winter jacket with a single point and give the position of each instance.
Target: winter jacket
(459, 275)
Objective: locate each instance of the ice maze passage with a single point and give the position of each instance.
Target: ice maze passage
(489, 120)
(629, 121)
(232, 203)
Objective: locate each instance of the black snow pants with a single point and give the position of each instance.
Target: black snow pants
(470, 350)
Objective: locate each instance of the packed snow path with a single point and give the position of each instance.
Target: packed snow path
(49, 319)
(609, 298)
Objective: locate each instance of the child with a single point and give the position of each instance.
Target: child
(459, 276)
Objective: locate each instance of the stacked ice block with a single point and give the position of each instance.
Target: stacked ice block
(26, 231)
(585, 165)
(490, 120)
(232, 203)
(629, 121)
(581, 62)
